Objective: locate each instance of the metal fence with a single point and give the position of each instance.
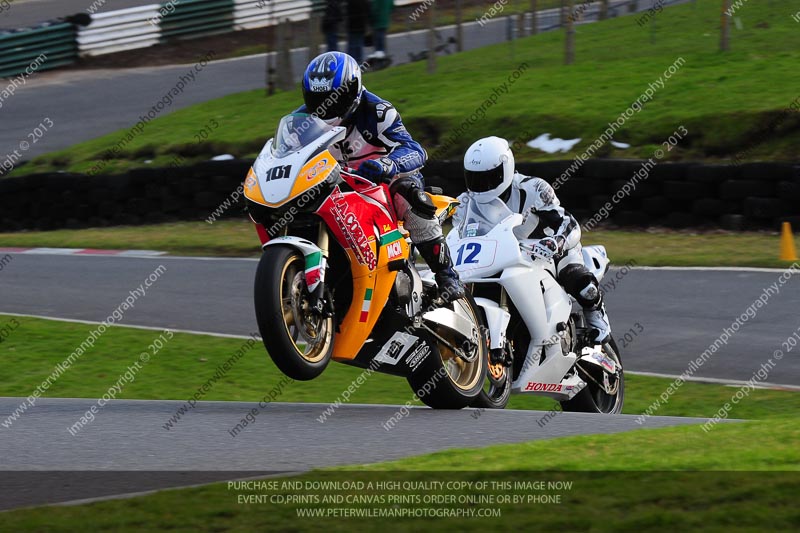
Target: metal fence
(145, 26)
(117, 31)
(47, 46)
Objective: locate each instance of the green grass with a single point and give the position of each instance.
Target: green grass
(187, 361)
(722, 99)
(628, 494)
(674, 478)
(731, 447)
(238, 238)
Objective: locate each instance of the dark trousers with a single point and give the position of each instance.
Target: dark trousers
(379, 35)
(355, 46)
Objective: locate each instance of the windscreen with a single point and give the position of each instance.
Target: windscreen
(482, 217)
(296, 131)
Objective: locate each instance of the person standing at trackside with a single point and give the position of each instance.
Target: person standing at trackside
(331, 18)
(357, 19)
(381, 16)
(489, 173)
(379, 146)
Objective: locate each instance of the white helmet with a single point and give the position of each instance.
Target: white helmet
(488, 168)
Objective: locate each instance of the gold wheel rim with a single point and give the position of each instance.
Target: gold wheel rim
(464, 375)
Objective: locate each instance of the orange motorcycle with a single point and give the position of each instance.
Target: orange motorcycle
(337, 278)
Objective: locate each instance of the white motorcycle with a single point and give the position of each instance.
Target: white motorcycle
(538, 338)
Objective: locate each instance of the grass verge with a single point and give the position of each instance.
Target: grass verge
(729, 102)
(646, 480)
(627, 496)
(187, 362)
(238, 238)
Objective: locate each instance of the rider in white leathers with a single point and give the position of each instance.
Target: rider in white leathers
(489, 173)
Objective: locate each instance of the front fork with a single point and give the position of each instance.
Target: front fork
(318, 302)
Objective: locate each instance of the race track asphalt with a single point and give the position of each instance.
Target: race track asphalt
(679, 313)
(127, 449)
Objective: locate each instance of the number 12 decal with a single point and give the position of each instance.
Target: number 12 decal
(472, 249)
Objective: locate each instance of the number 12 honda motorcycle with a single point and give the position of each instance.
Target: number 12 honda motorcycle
(337, 279)
(539, 342)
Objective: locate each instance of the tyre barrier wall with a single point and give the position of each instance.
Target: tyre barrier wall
(750, 196)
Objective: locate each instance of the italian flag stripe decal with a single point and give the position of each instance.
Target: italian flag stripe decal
(313, 260)
(365, 306)
(392, 236)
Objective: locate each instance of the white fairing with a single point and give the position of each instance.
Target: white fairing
(489, 252)
(496, 320)
(305, 247)
(596, 260)
(277, 173)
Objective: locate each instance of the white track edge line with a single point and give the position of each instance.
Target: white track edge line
(132, 326)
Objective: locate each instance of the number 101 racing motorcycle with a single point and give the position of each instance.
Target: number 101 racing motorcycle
(336, 279)
(539, 341)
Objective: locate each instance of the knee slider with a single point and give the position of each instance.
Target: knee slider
(590, 293)
(580, 284)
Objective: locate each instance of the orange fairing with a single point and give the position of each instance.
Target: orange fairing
(313, 173)
(445, 206)
(252, 190)
(371, 290)
(365, 228)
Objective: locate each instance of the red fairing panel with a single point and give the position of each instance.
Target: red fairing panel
(262, 233)
(358, 219)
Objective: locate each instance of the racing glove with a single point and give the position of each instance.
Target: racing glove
(380, 170)
(548, 247)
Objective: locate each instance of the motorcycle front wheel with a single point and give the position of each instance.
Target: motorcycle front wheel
(299, 340)
(497, 389)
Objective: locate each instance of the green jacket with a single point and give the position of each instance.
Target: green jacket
(381, 13)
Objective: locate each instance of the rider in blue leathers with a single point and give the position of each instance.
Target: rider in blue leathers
(378, 145)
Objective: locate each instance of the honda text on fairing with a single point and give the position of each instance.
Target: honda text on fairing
(336, 279)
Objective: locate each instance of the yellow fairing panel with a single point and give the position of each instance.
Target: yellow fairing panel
(445, 205)
(252, 190)
(371, 291)
(314, 172)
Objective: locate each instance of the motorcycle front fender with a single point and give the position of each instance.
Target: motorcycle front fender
(316, 263)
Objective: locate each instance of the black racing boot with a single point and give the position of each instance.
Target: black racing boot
(437, 255)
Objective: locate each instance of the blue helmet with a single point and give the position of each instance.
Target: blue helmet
(332, 87)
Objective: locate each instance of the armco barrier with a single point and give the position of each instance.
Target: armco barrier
(117, 31)
(54, 41)
(753, 196)
(144, 26)
(191, 18)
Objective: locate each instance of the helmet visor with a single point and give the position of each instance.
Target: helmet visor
(331, 104)
(483, 180)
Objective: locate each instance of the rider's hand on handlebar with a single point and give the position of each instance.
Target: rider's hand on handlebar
(547, 248)
(378, 170)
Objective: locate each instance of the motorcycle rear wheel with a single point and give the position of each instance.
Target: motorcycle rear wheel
(448, 381)
(298, 340)
(593, 399)
(497, 389)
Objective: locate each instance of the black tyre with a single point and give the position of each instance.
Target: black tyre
(497, 389)
(593, 399)
(298, 341)
(448, 381)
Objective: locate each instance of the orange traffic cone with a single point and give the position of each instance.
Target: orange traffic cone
(788, 250)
